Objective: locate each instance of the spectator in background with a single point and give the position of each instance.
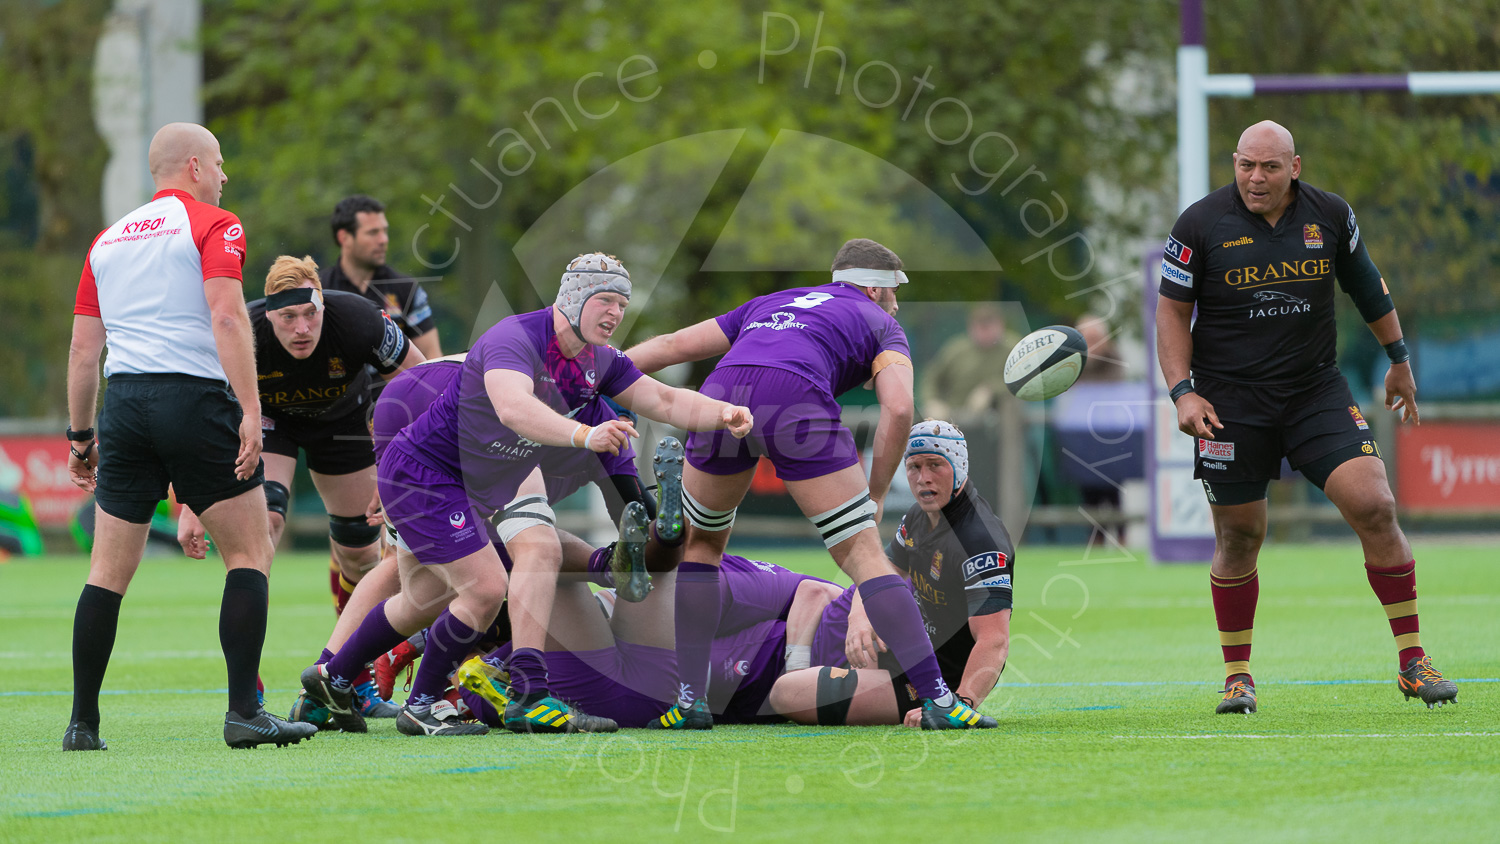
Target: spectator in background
(363, 235)
(968, 372)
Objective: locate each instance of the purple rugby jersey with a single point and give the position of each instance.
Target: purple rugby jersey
(460, 434)
(829, 334)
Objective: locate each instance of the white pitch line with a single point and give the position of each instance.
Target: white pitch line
(1312, 736)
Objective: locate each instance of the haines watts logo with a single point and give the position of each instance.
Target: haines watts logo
(1275, 303)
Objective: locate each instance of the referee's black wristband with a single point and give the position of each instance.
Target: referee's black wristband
(1183, 387)
(80, 436)
(1397, 351)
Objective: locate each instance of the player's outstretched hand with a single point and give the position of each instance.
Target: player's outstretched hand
(738, 420)
(249, 458)
(610, 436)
(191, 535)
(1401, 392)
(1195, 416)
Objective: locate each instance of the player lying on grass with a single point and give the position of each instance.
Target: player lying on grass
(464, 460)
(566, 471)
(314, 353)
(621, 664)
(959, 559)
(788, 355)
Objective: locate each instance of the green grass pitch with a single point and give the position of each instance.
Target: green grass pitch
(1107, 728)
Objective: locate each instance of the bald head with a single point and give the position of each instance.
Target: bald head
(1267, 136)
(1265, 165)
(185, 156)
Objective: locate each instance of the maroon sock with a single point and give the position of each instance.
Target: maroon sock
(893, 613)
(1234, 610)
(1396, 587)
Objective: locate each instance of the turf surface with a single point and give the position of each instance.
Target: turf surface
(1107, 728)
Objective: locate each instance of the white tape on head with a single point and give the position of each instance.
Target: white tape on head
(871, 278)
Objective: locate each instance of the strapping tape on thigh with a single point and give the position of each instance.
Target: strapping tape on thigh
(845, 520)
(703, 518)
(526, 512)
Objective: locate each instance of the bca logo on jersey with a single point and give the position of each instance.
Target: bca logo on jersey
(981, 563)
(1178, 252)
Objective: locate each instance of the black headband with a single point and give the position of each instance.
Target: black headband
(295, 296)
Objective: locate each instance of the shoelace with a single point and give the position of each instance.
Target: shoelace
(1425, 671)
(1237, 689)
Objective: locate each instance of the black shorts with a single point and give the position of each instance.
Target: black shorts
(165, 429)
(1264, 424)
(335, 447)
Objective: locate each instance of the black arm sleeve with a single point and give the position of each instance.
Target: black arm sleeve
(1358, 275)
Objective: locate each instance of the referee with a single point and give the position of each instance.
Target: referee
(161, 288)
(1258, 259)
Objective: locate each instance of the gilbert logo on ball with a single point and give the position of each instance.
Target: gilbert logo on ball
(1045, 363)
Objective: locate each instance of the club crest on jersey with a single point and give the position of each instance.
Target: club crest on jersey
(590, 377)
(1359, 419)
(391, 305)
(335, 368)
(458, 519)
(1312, 237)
(937, 566)
(1177, 251)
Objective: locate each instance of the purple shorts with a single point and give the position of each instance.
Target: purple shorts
(628, 683)
(430, 509)
(833, 629)
(742, 669)
(797, 426)
(752, 592)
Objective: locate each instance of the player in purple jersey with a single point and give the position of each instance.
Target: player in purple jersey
(620, 663)
(466, 458)
(788, 356)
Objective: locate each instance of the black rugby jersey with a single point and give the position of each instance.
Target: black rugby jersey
(1265, 295)
(335, 380)
(960, 568)
(399, 295)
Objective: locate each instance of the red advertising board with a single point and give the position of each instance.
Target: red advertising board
(37, 467)
(1449, 466)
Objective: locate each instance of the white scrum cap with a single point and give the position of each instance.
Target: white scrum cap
(586, 276)
(944, 440)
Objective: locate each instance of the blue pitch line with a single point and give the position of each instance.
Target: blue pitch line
(64, 813)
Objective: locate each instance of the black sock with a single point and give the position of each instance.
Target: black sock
(242, 632)
(94, 625)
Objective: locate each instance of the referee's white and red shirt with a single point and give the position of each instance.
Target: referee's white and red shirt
(144, 278)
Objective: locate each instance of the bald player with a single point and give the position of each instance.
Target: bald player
(1254, 380)
(161, 289)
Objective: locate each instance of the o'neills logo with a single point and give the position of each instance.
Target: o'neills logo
(1280, 273)
(1244, 241)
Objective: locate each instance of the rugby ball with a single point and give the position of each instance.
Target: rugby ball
(1045, 363)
